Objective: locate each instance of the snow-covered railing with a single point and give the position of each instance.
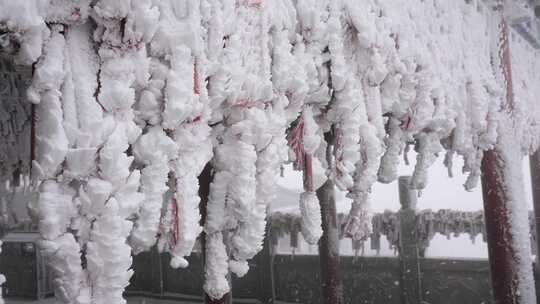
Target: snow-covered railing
(449, 223)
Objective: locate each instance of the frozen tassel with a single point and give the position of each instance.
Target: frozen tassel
(406, 151)
(390, 159)
(56, 208)
(304, 141)
(239, 268)
(179, 262)
(311, 217)
(449, 162)
(473, 168)
(216, 284)
(108, 250)
(144, 234)
(366, 168)
(154, 149)
(358, 223)
(186, 227)
(64, 256)
(428, 147)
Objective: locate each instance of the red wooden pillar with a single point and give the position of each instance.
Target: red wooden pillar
(34, 120)
(501, 235)
(332, 281)
(205, 179)
(227, 299)
(331, 277)
(534, 161)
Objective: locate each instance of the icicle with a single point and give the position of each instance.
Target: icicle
(311, 217)
(428, 147)
(390, 160)
(156, 150)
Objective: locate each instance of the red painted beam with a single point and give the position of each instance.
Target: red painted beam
(501, 236)
(502, 258)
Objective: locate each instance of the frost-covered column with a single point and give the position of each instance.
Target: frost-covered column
(507, 227)
(505, 210)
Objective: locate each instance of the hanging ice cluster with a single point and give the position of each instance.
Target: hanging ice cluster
(250, 138)
(178, 105)
(134, 98)
(64, 149)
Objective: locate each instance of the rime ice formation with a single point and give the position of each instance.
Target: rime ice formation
(122, 27)
(134, 98)
(179, 46)
(248, 142)
(59, 152)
